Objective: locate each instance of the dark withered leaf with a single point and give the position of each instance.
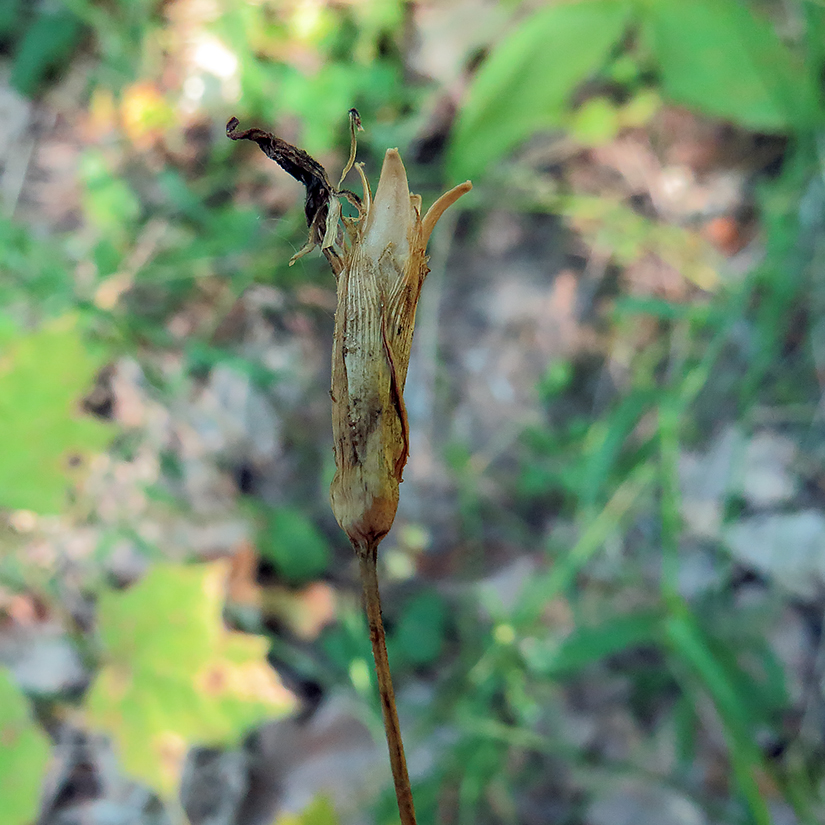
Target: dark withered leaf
(296, 162)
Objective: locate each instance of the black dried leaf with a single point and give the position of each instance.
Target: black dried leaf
(296, 162)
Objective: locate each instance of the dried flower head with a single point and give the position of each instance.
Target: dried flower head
(380, 260)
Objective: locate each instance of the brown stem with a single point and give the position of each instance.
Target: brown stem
(372, 603)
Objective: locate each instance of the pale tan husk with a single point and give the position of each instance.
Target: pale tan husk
(378, 290)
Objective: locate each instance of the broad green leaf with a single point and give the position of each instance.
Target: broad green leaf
(46, 45)
(174, 675)
(526, 83)
(42, 431)
(24, 755)
(294, 545)
(718, 57)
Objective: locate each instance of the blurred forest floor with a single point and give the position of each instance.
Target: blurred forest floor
(605, 585)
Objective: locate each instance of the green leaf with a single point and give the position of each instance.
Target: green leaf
(612, 226)
(608, 440)
(46, 44)
(24, 755)
(419, 634)
(526, 83)
(294, 545)
(109, 202)
(718, 57)
(42, 431)
(174, 675)
(690, 645)
(10, 16)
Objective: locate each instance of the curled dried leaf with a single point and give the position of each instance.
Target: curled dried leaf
(321, 196)
(296, 162)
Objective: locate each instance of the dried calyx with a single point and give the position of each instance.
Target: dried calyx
(380, 261)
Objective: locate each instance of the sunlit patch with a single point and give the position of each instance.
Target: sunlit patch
(359, 674)
(256, 681)
(309, 21)
(23, 521)
(108, 293)
(194, 88)
(102, 111)
(145, 114)
(305, 612)
(212, 57)
(214, 582)
(504, 634)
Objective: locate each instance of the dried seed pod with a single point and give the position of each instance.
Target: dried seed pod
(380, 272)
(378, 291)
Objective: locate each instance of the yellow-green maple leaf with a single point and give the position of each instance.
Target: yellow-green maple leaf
(43, 375)
(174, 675)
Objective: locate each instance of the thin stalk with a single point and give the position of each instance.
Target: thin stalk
(398, 762)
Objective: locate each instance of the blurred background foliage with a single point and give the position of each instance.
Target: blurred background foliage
(605, 589)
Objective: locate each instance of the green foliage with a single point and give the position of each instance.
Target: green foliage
(694, 653)
(174, 675)
(124, 32)
(418, 636)
(527, 82)
(45, 44)
(617, 230)
(24, 755)
(35, 281)
(319, 812)
(588, 644)
(716, 56)
(10, 17)
(293, 544)
(109, 203)
(719, 57)
(42, 431)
